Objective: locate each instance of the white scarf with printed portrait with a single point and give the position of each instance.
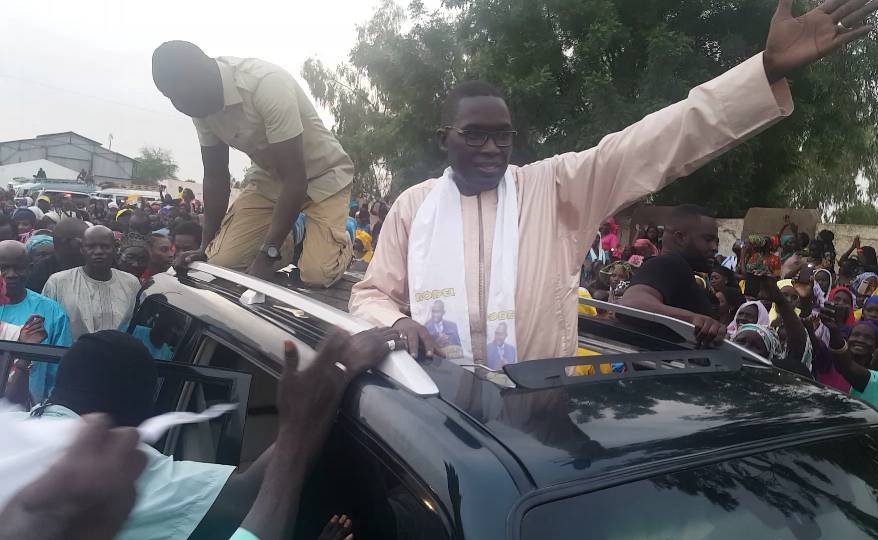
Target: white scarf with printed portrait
(436, 267)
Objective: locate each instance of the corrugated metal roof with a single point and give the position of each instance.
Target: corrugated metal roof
(27, 169)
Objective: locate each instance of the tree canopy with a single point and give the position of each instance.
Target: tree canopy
(858, 214)
(576, 70)
(154, 164)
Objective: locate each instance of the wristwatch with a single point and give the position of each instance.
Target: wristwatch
(270, 251)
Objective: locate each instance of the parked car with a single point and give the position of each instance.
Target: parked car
(650, 438)
(124, 196)
(79, 193)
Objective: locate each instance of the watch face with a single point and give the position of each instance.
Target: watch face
(272, 252)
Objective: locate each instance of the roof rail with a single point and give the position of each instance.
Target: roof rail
(399, 365)
(569, 371)
(685, 330)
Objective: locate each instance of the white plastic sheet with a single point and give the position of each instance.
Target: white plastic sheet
(28, 447)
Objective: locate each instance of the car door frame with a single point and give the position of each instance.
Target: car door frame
(239, 384)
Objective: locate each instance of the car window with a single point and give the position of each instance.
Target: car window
(194, 389)
(26, 378)
(360, 481)
(161, 328)
(180, 387)
(821, 490)
(261, 420)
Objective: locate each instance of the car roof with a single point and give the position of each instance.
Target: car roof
(592, 432)
(595, 432)
(240, 306)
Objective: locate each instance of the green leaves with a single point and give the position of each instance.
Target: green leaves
(154, 164)
(576, 70)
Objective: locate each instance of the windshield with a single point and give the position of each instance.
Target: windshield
(822, 490)
(77, 197)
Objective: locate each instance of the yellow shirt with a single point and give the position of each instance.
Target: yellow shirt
(264, 105)
(583, 309)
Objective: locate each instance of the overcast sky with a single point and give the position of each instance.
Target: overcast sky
(84, 66)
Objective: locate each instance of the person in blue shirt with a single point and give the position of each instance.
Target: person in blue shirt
(110, 485)
(351, 224)
(23, 303)
(154, 341)
(161, 333)
(111, 372)
(299, 229)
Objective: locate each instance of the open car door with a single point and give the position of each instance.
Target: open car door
(181, 387)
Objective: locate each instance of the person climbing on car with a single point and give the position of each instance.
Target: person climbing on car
(298, 164)
(505, 243)
(666, 284)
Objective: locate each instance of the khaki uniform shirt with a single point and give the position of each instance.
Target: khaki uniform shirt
(562, 201)
(264, 105)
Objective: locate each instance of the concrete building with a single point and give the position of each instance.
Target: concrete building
(172, 186)
(71, 151)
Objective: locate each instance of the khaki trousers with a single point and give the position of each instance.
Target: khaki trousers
(327, 248)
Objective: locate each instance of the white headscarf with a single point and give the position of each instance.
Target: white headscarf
(828, 273)
(762, 318)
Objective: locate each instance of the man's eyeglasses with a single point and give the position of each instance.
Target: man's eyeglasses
(474, 137)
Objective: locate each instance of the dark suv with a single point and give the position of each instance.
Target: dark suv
(648, 438)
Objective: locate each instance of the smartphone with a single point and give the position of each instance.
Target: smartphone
(806, 307)
(840, 313)
(34, 319)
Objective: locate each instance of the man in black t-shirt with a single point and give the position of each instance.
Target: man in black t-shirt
(666, 284)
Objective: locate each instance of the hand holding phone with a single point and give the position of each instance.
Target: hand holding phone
(804, 282)
(33, 330)
(833, 315)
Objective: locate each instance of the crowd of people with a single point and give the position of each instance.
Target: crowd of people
(364, 227)
(72, 269)
(70, 277)
(793, 299)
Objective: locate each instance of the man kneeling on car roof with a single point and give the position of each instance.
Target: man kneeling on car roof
(498, 243)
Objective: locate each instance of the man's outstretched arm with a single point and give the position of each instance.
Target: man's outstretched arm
(216, 189)
(307, 404)
(382, 295)
(289, 159)
(275, 101)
